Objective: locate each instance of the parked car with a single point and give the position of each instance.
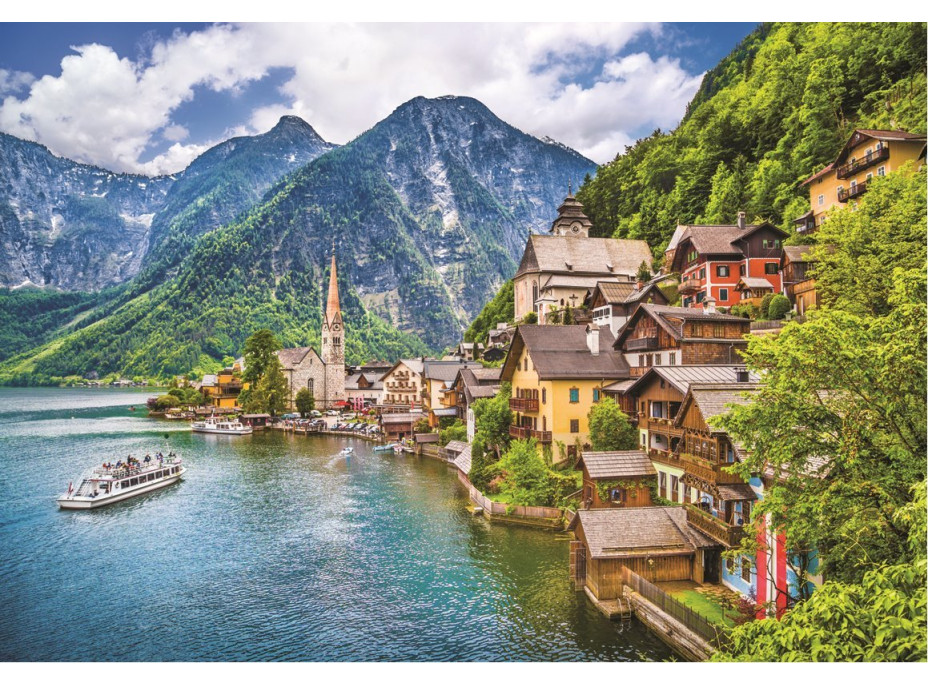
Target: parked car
(331, 413)
(315, 413)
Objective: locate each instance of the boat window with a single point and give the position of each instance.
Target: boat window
(123, 484)
(134, 482)
(159, 474)
(150, 477)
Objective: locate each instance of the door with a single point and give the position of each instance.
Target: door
(712, 565)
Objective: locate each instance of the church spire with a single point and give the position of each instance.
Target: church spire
(332, 307)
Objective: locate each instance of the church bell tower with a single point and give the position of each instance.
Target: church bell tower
(333, 343)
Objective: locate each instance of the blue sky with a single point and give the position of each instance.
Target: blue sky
(150, 97)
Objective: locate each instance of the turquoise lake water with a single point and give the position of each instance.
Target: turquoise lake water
(273, 548)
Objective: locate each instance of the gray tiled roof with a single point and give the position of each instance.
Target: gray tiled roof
(638, 531)
(446, 370)
(681, 377)
(584, 255)
(561, 352)
(290, 358)
(713, 399)
(473, 393)
(401, 417)
(617, 464)
(571, 281)
(463, 461)
(455, 446)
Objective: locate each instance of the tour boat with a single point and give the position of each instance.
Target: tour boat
(110, 483)
(215, 425)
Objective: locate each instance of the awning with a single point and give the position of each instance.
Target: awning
(736, 492)
(445, 412)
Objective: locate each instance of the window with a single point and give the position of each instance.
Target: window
(702, 273)
(674, 487)
(617, 495)
(771, 268)
(881, 171)
(730, 565)
(595, 395)
(519, 365)
(575, 395)
(869, 175)
(544, 395)
(641, 360)
(574, 426)
(673, 358)
(722, 270)
(821, 200)
(657, 359)
(746, 568)
(649, 359)
(309, 384)
(336, 340)
(700, 296)
(718, 331)
(723, 294)
(741, 270)
(729, 453)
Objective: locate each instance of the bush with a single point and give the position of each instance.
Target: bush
(456, 432)
(765, 306)
(779, 306)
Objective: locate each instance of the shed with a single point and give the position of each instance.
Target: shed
(619, 478)
(256, 421)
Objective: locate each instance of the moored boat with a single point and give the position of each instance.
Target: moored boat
(111, 483)
(217, 425)
(384, 448)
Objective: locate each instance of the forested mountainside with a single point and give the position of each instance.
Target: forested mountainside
(81, 228)
(774, 111)
(428, 212)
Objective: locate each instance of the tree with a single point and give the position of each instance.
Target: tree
(260, 352)
(422, 426)
(610, 428)
(765, 306)
(644, 271)
(493, 417)
(305, 401)
(455, 432)
(268, 391)
(526, 475)
(779, 306)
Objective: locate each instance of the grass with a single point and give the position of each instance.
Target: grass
(705, 606)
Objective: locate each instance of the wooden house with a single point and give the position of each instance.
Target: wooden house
(798, 284)
(751, 290)
(655, 542)
(399, 425)
(611, 303)
(621, 478)
(657, 335)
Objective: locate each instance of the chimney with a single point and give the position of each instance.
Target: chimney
(639, 285)
(741, 220)
(741, 375)
(592, 338)
(708, 305)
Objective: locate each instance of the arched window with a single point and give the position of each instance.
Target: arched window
(309, 385)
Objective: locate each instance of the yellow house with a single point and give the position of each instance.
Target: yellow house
(438, 379)
(557, 373)
(868, 153)
(222, 389)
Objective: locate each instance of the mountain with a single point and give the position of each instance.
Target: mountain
(81, 228)
(774, 111)
(428, 212)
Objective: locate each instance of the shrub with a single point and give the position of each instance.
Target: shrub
(765, 306)
(779, 306)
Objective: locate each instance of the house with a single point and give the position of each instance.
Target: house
(659, 335)
(712, 258)
(799, 286)
(501, 336)
(558, 269)
(471, 384)
(439, 396)
(655, 542)
(222, 389)
(611, 304)
(403, 383)
(557, 373)
(399, 425)
(469, 351)
(452, 450)
(620, 478)
(867, 153)
(752, 289)
(363, 389)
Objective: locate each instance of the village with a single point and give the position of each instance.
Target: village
(613, 379)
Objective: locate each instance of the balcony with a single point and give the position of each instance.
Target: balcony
(648, 343)
(523, 404)
(852, 168)
(664, 425)
(726, 534)
(706, 470)
(691, 286)
(664, 456)
(846, 194)
(522, 432)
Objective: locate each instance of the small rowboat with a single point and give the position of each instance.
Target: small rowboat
(384, 448)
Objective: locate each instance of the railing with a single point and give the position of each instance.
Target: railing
(846, 194)
(649, 343)
(503, 509)
(726, 534)
(525, 432)
(851, 168)
(708, 471)
(691, 286)
(664, 425)
(523, 404)
(712, 633)
(664, 456)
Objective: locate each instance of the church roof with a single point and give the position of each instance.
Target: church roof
(580, 255)
(291, 358)
(332, 306)
(570, 211)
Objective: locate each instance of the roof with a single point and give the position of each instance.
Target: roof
(640, 531)
(455, 446)
(463, 460)
(291, 358)
(427, 438)
(615, 292)
(209, 380)
(485, 374)
(401, 417)
(620, 386)
(571, 281)
(617, 464)
(583, 255)
(473, 393)
(561, 352)
(719, 239)
(445, 411)
(665, 315)
(683, 376)
(754, 283)
(736, 492)
(818, 174)
(857, 137)
(445, 370)
(715, 399)
(797, 253)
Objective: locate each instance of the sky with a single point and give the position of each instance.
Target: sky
(149, 97)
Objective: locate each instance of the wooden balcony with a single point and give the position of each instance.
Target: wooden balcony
(852, 168)
(707, 470)
(663, 425)
(523, 404)
(522, 432)
(648, 343)
(664, 457)
(691, 286)
(846, 194)
(726, 534)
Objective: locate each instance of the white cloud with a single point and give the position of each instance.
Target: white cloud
(14, 81)
(542, 78)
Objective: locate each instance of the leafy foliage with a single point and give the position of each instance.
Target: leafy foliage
(456, 432)
(610, 428)
(304, 401)
(501, 308)
(268, 390)
(493, 417)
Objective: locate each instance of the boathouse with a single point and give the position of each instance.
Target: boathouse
(619, 478)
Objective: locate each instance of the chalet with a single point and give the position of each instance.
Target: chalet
(751, 290)
(364, 389)
(403, 384)
(711, 259)
(501, 336)
(798, 284)
(621, 478)
(557, 270)
(658, 335)
(557, 373)
(655, 542)
(611, 304)
(868, 153)
(471, 384)
(469, 351)
(399, 425)
(438, 378)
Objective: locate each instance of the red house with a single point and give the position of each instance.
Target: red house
(712, 259)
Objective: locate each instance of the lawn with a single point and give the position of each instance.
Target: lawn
(706, 606)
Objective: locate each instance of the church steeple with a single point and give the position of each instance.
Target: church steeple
(333, 330)
(571, 221)
(332, 308)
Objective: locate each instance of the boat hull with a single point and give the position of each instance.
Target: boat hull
(71, 503)
(225, 432)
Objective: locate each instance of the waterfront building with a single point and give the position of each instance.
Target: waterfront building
(711, 259)
(658, 335)
(303, 368)
(222, 389)
(471, 384)
(868, 153)
(364, 389)
(438, 381)
(558, 269)
(617, 478)
(403, 384)
(611, 304)
(399, 425)
(557, 373)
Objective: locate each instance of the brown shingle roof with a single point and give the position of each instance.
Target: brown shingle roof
(714, 399)
(617, 464)
(640, 531)
(290, 358)
(561, 352)
(753, 282)
(718, 239)
(665, 316)
(584, 255)
(681, 377)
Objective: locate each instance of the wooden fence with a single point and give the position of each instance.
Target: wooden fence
(429, 450)
(712, 633)
(495, 508)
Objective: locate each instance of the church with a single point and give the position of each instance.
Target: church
(557, 270)
(323, 375)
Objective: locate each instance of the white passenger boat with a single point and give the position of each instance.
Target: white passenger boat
(114, 482)
(217, 425)
(347, 451)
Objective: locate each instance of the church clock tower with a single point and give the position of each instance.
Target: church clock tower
(571, 221)
(333, 343)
